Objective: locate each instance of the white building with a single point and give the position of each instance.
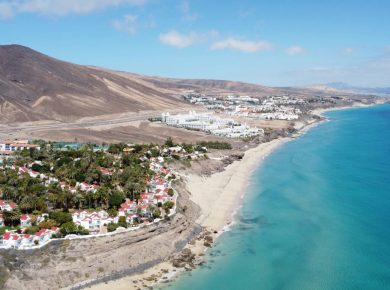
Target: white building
(211, 124)
(16, 145)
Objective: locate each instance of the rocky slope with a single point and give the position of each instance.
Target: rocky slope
(36, 87)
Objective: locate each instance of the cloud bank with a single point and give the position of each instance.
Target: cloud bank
(8, 9)
(179, 40)
(240, 45)
(295, 49)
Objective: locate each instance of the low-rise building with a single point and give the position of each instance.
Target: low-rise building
(7, 205)
(16, 145)
(25, 220)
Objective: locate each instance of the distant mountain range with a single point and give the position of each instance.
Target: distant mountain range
(361, 90)
(34, 86)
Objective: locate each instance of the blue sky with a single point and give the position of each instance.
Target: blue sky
(279, 42)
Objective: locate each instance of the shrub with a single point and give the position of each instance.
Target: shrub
(31, 230)
(168, 205)
(122, 222)
(60, 217)
(169, 142)
(111, 227)
(215, 145)
(112, 212)
(156, 213)
(72, 228)
(47, 224)
(175, 156)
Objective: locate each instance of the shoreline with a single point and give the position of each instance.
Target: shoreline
(220, 196)
(228, 191)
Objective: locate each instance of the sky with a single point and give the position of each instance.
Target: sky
(276, 43)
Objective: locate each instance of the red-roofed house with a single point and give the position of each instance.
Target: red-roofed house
(132, 218)
(11, 240)
(105, 171)
(25, 220)
(5, 205)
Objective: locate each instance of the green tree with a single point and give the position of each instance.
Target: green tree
(122, 222)
(112, 227)
(156, 213)
(31, 230)
(71, 228)
(60, 217)
(169, 142)
(11, 218)
(116, 199)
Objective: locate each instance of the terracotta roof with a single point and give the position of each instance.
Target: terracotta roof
(24, 217)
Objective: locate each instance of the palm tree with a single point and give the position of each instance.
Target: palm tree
(104, 195)
(78, 199)
(11, 218)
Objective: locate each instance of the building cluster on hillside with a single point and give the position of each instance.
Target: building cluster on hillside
(133, 210)
(158, 191)
(211, 124)
(268, 108)
(19, 239)
(13, 239)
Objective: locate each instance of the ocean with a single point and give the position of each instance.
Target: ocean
(316, 214)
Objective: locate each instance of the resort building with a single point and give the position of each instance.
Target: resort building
(209, 123)
(16, 145)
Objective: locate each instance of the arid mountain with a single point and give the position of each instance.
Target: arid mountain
(34, 87)
(37, 87)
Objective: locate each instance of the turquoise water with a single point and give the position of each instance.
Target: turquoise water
(316, 215)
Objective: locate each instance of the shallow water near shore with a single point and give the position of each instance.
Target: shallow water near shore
(316, 214)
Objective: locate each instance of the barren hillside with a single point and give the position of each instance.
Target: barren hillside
(36, 87)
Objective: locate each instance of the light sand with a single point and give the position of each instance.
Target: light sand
(157, 274)
(218, 196)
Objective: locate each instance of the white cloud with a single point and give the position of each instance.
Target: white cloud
(60, 7)
(295, 49)
(186, 11)
(128, 24)
(348, 50)
(176, 39)
(131, 24)
(240, 45)
(6, 11)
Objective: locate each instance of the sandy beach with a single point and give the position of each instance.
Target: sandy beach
(218, 196)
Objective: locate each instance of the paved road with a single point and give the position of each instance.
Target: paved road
(20, 128)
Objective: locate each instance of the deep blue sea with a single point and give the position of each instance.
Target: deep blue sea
(316, 214)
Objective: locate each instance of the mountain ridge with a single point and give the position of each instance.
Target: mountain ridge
(34, 86)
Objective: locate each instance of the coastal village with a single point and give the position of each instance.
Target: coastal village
(211, 124)
(80, 189)
(52, 193)
(235, 116)
(266, 108)
(194, 145)
(43, 198)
